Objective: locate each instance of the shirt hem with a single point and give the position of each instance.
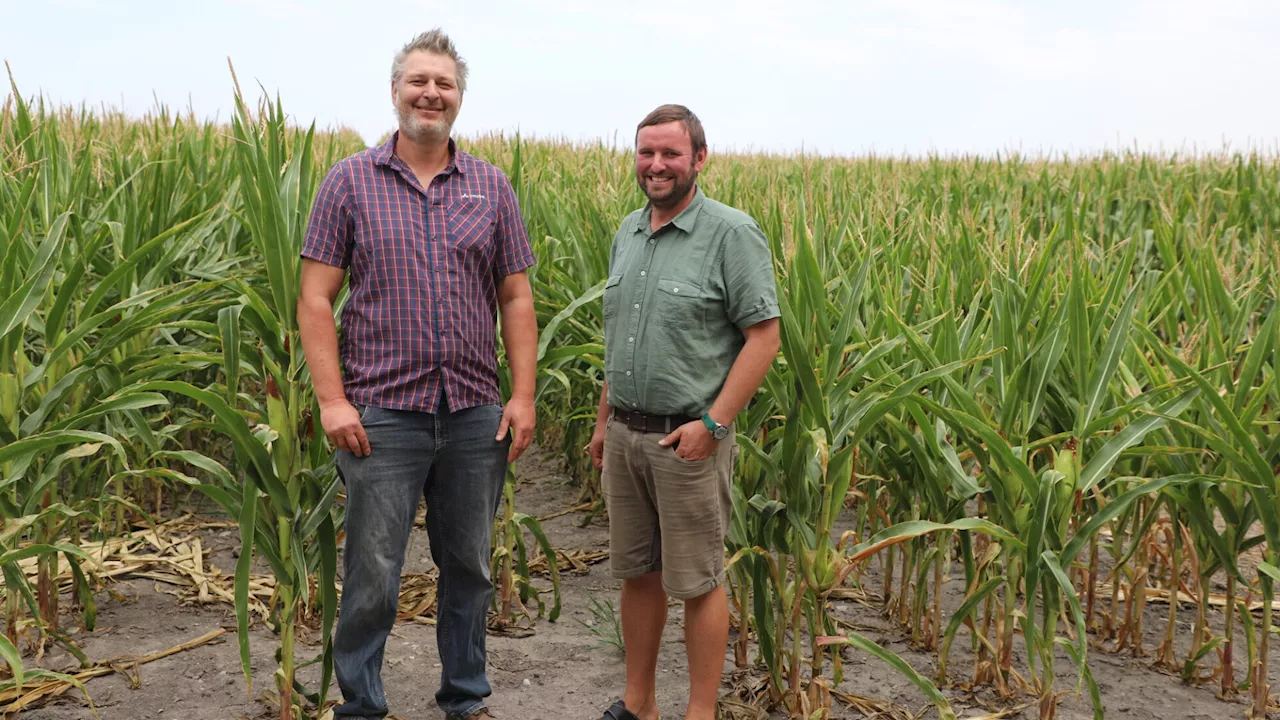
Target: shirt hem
(418, 407)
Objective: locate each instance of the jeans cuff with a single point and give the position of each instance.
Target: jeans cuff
(467, 713)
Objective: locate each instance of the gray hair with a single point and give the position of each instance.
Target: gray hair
(436, 42)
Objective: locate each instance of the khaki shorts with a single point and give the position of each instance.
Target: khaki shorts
(666, 513)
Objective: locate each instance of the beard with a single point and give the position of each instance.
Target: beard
(422, 131)
(673, 194)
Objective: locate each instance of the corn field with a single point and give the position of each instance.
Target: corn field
(1049, 385)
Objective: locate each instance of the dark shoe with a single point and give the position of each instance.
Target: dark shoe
(481, 714)
(619, 711)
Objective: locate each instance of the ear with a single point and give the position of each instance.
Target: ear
(700, 159)
(395, 95)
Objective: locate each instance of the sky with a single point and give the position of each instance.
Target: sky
(890, 77)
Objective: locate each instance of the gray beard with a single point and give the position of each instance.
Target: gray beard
(420, 133)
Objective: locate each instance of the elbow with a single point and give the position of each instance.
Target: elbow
(310, 303)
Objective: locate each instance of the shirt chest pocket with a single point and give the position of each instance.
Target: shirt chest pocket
(680, 303)
(471, 224)
(611, 296)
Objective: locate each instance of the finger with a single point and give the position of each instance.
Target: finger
(363, 439)
(514, 451)
(353, 444)
(339, 441)
(670, 439)
(502, 427)
(517, 450)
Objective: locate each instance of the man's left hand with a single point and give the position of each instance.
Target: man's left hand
(692, 441)
(518, 417)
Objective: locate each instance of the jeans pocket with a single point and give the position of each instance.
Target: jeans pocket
(691, 463)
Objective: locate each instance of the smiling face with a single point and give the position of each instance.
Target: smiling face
(427, 97)
(666, 165)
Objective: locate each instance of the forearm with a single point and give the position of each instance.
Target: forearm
(748, 371)
(520, 340)
(320, 346)
(602, 410)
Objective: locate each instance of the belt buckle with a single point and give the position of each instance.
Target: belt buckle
(637, 422)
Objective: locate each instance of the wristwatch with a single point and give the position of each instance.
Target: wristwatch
(718, 431)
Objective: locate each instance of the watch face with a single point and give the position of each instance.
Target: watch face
(721, 432)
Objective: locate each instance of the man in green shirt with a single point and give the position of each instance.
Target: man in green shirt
(691, 328)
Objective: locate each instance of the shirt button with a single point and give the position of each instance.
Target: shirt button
(631, 339)
(675, 290)
(651, 241)
(637, 306)
(643, 273)
(628, 373)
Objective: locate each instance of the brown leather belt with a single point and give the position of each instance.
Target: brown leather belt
(651, 423)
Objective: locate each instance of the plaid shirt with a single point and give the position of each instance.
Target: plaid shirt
(425, 266)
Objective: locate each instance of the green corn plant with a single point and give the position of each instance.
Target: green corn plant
(1244, 447)
(285, 501)
(998, 373)
(73, 324)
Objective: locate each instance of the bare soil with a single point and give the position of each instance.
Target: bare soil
(560, 671)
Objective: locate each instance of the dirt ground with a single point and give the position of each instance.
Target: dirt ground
(558, 672)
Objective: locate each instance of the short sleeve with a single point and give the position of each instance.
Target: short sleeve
(511, 240)
(331, 229)
(750, 288)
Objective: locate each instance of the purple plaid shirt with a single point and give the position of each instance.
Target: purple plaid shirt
(425, 265)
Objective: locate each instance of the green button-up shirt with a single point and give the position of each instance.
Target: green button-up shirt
(675, 304)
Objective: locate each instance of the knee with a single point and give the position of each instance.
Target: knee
(467, 560)
(650, 582)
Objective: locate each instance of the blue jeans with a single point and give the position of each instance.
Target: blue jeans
(452, 459)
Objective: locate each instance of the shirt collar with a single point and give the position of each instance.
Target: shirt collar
(458, 160)
(685, 220)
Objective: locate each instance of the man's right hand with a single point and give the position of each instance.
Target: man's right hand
(341, 422)
(596, 448)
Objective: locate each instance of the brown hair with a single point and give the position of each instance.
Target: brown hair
(677, 113)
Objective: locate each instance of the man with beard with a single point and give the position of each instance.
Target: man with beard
(691, 328)
(436, 246)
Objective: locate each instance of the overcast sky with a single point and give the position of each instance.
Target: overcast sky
(889, 76)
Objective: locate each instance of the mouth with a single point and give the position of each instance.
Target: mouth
(659, 181)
